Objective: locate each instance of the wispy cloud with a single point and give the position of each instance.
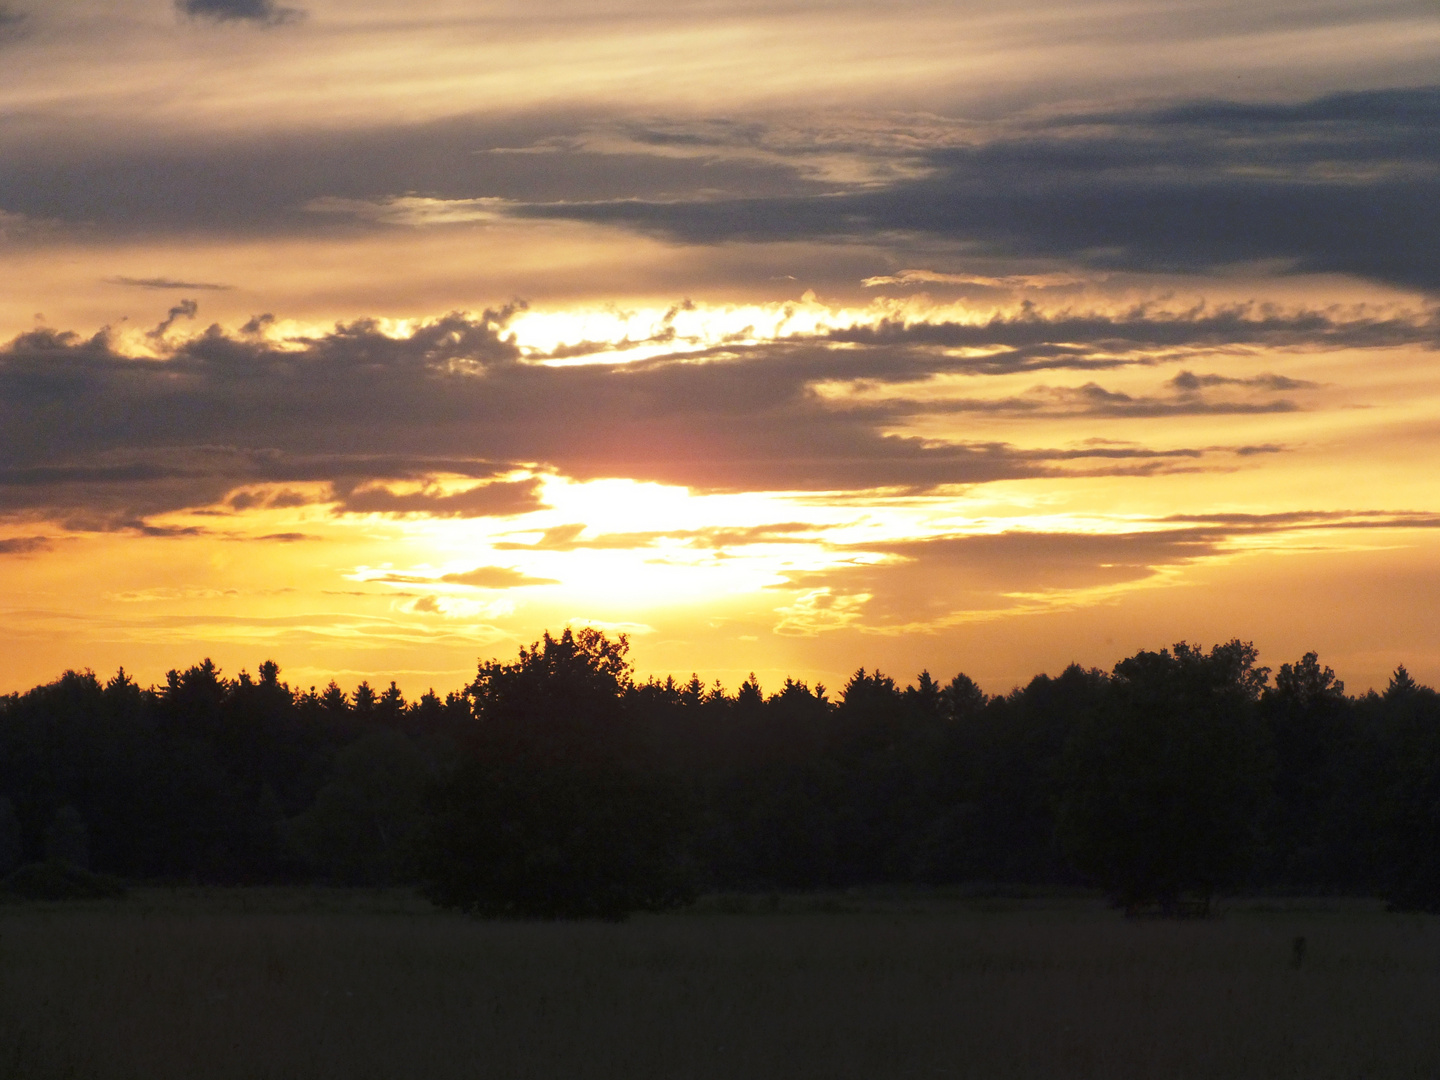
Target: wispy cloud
(167, 283)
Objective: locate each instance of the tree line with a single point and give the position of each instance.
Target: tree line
(557, 785)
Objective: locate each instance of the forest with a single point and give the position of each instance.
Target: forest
(556, 785)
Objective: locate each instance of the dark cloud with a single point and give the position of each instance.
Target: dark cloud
(1032, 341)
(1348, 183)
(166, 283)
(261, 12)
(500, 499)
(1188, 382)
(144, 528)
(269, 184)
(185, 309)
(24, 545)
(374, 424)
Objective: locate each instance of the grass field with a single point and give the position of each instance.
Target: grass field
(309, 984)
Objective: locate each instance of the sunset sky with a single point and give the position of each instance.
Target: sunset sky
(379, 337)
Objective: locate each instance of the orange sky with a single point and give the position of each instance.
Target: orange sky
(785, 338)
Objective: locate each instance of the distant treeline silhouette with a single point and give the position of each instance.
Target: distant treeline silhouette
(555, 785)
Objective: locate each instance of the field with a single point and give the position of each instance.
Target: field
(308, 984)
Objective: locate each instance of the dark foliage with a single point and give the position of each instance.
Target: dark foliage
(1411, 815)
(519, 839)
(551, 815)
(58, 881)
(554, 786)
(1166, 776)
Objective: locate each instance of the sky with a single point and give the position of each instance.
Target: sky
(378, 338)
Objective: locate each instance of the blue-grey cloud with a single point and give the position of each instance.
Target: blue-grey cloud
(261, 12)
(268, 183)
(1349, 183)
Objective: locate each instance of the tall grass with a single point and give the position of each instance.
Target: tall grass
(313, 985)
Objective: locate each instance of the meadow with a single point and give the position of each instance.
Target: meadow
(301, 984)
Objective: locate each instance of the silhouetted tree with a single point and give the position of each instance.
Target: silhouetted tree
(963, 698)
(1411, 829)
(1167, 776)
(552, 815)
(1321, 821)
(559, 775)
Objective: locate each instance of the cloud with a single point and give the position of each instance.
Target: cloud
(1009, 281)
(570, 537)
(1293, 520)
(498, 499)
(20, 225)
(261, 12)
(820, 609)
(450, 419)
(1032, 341)
(1348, 183)
(1094, 400)
(938, 581)
(185, 309)
(1188, 382)
(496, 577)
(932, 582)
(24, 545)
(323, 178)
(412, 209)
(166, 283)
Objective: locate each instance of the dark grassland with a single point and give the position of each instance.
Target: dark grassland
(302, 983)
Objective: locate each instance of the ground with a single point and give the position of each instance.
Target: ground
(301, 984)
